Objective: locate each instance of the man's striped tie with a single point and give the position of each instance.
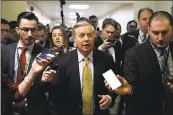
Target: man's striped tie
(164, 66)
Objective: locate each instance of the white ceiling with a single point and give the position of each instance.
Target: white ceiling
(52, 8)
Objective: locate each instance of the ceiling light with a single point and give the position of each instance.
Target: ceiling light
(73, 16)
(74, 13)
(79, 6)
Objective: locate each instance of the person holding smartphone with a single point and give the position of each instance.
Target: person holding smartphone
(18, 58)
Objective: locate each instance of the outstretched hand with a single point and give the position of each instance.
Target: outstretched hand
(124, 89)
(170, 85)
(40, 65)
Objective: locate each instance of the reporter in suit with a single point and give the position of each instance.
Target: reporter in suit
(67, 95)
(18, 92)
(143, 69)
(27, 29)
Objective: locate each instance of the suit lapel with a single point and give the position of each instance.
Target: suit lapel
(35, 51)
(136, 34)
(74, 78)
(171, 48)
(12, 51)
(152, 56)
(96, 66)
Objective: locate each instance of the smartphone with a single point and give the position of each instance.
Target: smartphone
(53, 67)
(111, 40)
(45, 56)
(111, 78)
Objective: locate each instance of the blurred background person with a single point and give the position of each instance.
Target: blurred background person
(93, 20)
(47, 29)
(42, 37)
(13, 32)
(5, 33)
(131, 26)
(143, 20)
(58, 41)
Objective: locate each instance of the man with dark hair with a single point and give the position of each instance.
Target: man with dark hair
(139, 36)
(110, 41)
(143, 20)
(148, 69)
(13, 32)
(130, 39)
(131, 26)
(107, 41)
(5, 32)
(18, 58)
(93, 20)
(41, 35)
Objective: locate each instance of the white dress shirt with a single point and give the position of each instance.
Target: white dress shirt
(17, 56)
(90, 61)
(141, 36)
(81, 62)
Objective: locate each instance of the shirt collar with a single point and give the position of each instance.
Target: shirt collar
(140, 32)
(159, 52)
(30, 47)
(81, 57)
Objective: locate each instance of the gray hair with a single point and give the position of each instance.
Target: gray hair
(79, 24)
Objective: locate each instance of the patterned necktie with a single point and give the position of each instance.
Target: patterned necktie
(164, 66)
(87, 89)
(21, 66)
(144, 38)
(170, 63)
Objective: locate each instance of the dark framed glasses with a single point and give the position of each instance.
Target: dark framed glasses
(26, 30)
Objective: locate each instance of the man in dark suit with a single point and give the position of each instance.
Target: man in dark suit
(5, 32)
(145, 70)
(130, 39)
(69, 86)
(36, 98)
(110, 43)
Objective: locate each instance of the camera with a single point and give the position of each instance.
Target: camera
(111, 40)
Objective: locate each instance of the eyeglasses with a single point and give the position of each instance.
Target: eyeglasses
(5, 30)
(132, 27)
(110, 32)
(26, 30)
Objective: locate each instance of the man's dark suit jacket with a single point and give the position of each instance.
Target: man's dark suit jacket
(66, 96)
(118, 51)
(142, 71)
(36, 98)
(9, 41)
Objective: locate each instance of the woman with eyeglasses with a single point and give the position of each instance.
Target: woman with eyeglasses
(58, 41)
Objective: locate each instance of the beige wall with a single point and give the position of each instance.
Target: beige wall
(11, 9)
(40, 14)
(142, 4)
(164, 5)
(155, 5)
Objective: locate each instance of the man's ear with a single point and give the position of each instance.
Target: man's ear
(17, 30)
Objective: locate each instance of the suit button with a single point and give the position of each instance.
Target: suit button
(79, 106)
